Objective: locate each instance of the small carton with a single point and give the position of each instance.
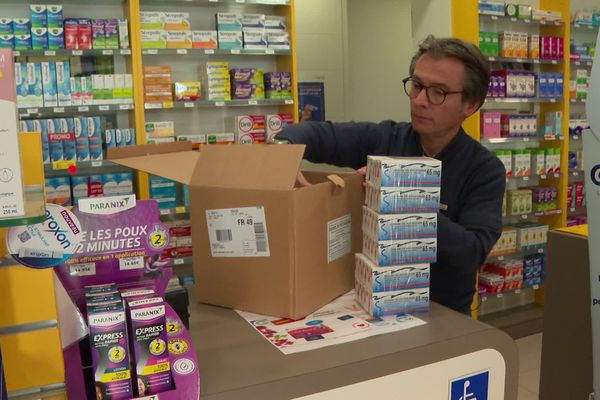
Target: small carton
(398, 226)
(255, 38)
(111, 33)
(383, 279)
(400, 200)
(278, 40)
(11, 190)
(204, 39)
(21, 26)
(249, 129)
(6, 26)
(110, 349)
(404, 171)
(179, 39)
(150, 345)
(84, 34)
(176, 21)
(54, 15)
(98, 39)
(154, 39)
(7, 40)
(56, 38)
(70, 32)
(123, 33)
(274, 123)
(393, 302)
(275, 23)
(35, 97)
(151, 20)
(39, 38)
(385, 253)
(160, 129)
(253, 21)
(316, 246)
(230, 39)
(49, 84)
(220, 138)
(228, 22)
(63, 83)
(39, 18)
(22, 42)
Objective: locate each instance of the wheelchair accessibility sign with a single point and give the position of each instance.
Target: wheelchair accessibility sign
(472, 387)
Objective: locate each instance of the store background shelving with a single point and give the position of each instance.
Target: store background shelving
(520, 312)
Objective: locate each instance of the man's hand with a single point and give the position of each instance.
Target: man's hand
(363, 172)
(301, 180)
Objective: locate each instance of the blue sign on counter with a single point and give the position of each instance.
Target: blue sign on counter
(472, 387)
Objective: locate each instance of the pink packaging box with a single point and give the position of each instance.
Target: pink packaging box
(84, 34)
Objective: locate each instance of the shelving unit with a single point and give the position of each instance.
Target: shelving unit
(500, 312)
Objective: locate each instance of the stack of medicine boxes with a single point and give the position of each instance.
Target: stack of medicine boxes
(399, 234)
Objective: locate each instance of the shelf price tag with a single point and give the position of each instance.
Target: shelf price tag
(152, 51)
(188, 104)
(524, 216)
(16, 53)
(49, 53)
(180, 210)
(483, 299)
(77, 52)
(240, 1)
(492, 58)
(557, 175)
(536, 287)
(150, 106)
(97, 163)
(182, 51)
(32, 111)
(83, 108)
(252, 102)
(500, 258)
(513, 19)
(525, 178)
(165, 212)
(500, 295)
(541, 251)
(219, 103)
(126, 52)
(235, 51)
(213, 1)
(59, 165)
(494, 17)
(178, 261)
(269, 51)
(527, 21)
(519, 60)
(107, 52)
(209, 51)
(103, 108)
(124, 107)
(167, 104)
(543, 176)
(517, 291)
(536, 61)
(552, 100)
(575, 173)
(59, 109)
(289, 101)
(572, 209)
(554, 62)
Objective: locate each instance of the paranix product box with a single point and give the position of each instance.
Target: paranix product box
(255, 230)
(394, 302)
(149, 343)
(404, 171)
(385, 253)
(11, 181)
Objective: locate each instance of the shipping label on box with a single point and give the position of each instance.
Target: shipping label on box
(238, 232)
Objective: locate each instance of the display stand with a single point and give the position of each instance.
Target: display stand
(417, 363)
(132, 263)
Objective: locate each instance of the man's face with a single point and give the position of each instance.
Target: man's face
(439, 120)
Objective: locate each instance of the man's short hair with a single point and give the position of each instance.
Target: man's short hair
(477, 67)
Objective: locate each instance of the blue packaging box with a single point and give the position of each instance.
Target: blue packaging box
(385, 253)
(398, 226)
(49, 84)
(404, 171)
(37, 13)
(6, 26)
(83, 148)
(56, 38)
(383, 279)
(39, 38)
(22, 41)
(403, 200)
(7, 41)
(21, 26)
(394, 302)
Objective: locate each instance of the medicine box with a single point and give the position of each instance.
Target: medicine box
(385, 171)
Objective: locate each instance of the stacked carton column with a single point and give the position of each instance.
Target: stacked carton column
(399, 234)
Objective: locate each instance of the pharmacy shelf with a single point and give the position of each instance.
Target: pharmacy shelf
(217, 2)
(54, 111)
(35, 208)
(536, 214)
(509, 140)
(71, 53)
(522, 100)
(214, 103)
(175, 211)
(487, 17)
(520, 179)
(582, 63)
(584, 27)
(242, 52)
(541, 249)
(487, 296)
(83, 168)
(577, 210)
(523, 60)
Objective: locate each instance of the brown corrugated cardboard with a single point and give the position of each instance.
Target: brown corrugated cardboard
(312, 232)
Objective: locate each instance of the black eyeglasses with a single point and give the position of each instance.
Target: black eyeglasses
(435, 95)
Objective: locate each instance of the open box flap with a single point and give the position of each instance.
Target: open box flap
(271, 167)
(175, 161)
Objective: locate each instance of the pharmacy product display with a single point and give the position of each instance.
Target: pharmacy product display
(47, 29)
(399, 235)
(525, 84)
(173, 30)
(519, 11)
(115, 285)
(68, 190)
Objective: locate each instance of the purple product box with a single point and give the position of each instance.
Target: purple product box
(243, 91)
(242, 75)
(150, 345)
(110, 351)
(111, 33)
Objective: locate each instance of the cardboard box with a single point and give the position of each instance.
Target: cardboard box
(307, 236)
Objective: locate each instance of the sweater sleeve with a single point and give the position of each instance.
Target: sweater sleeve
(341, 144)
(465, 244)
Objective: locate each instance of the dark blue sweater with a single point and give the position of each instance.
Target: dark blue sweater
(473, 182)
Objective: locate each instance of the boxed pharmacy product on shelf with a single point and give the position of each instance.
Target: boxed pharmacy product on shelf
(252, 229)
(404, 172)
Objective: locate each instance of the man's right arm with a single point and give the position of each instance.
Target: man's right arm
(342, 144)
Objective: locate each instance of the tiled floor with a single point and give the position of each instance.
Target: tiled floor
(530, 354)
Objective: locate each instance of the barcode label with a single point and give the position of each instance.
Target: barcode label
(259, 233)
(224, 235)
(238, 232)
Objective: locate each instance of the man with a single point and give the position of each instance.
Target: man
(448, 82)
